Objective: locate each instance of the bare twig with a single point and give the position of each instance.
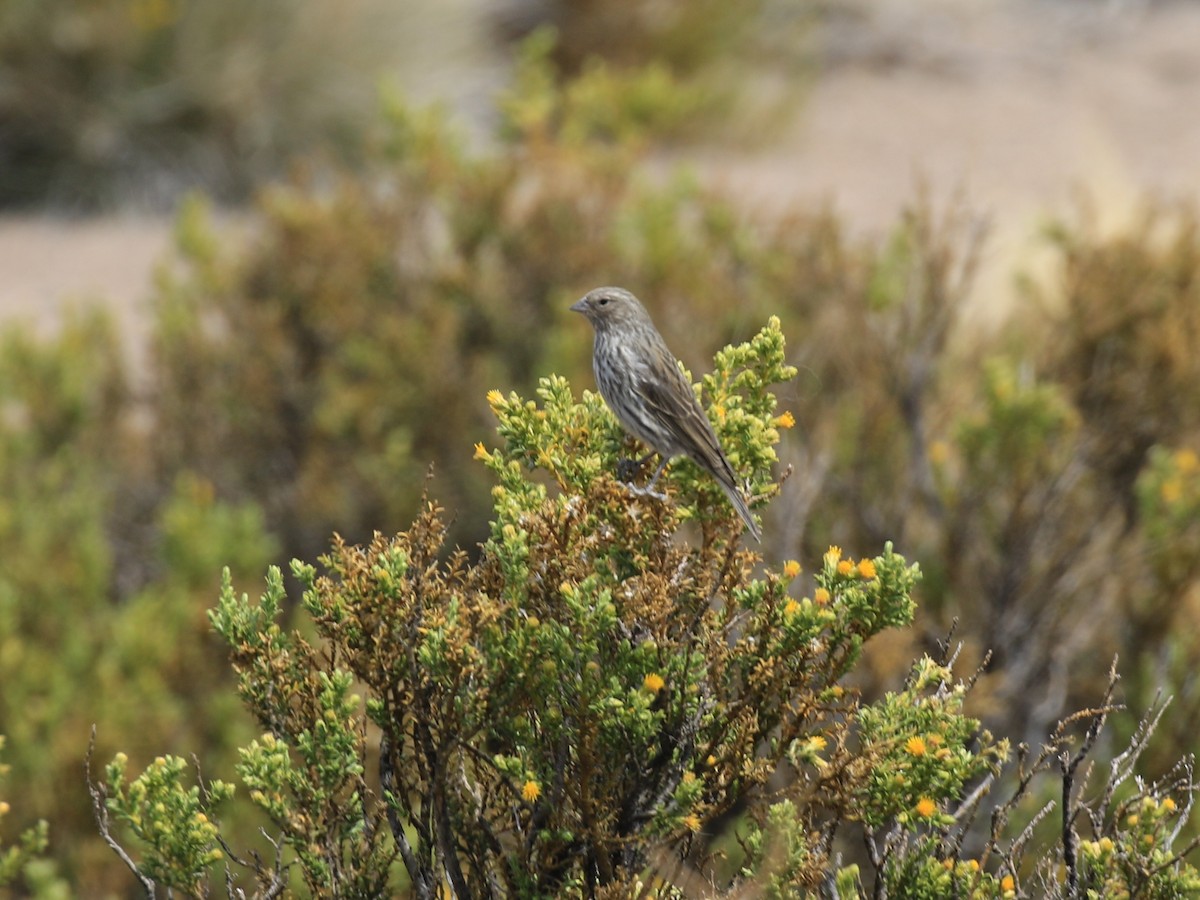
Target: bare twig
(1069, 765)
(99, 795)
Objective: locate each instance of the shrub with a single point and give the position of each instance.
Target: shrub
(589, 706)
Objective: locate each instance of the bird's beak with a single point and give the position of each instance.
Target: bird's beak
(579, 306)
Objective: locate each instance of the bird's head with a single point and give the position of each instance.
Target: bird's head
(607, 307)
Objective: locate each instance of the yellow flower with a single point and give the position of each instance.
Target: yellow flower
(4, 808)
(481, 452)
(926, 808)
(692, 821)
(833, 554)
(719, 409)
(973, 865)
(915, 746)
(1186, 460)
(845, 567)
(791, 568)
(1008, 883)
(531, 791)
(689, 777)
(791, 608)
(866, 568)
(784, 420)
(821, 597)
(1168, 804)
(710, 761)
(494, 398)
(653, 683)
(1106, 845)
(817, 743)
(1132, 819)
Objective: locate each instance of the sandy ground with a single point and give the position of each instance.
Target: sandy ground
(1016, 105)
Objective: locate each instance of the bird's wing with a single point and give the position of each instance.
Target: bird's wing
(673, 403)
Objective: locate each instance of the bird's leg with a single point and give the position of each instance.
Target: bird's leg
(654, 478)
(648, 490)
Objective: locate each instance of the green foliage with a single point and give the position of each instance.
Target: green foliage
(925, 877)
(924, 744)
(31, 843)
(76, 516)
(168, 820)
(310, 779)
(777, 852)
(739, 61)
(604, 103)
(1138, 861)
(57, 436)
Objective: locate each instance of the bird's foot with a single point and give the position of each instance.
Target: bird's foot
(646, 491)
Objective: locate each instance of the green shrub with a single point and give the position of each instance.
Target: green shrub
(585, 709)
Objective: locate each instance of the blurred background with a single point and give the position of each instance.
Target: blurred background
(261, 262)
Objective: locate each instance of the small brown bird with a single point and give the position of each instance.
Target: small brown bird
(640, 381)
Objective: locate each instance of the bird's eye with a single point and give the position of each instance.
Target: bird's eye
(603, 301)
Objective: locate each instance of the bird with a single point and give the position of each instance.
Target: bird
(640, 380)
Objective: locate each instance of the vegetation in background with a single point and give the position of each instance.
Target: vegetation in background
(304, 378)
(29, 845)
(740, 62)
(119, 101)
(132, 99)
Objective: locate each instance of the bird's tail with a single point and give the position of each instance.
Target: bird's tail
(743, 509)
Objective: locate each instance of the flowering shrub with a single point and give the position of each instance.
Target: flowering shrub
(593, 692)
(608, 694)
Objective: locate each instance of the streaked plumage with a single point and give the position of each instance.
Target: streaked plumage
(640, 381)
